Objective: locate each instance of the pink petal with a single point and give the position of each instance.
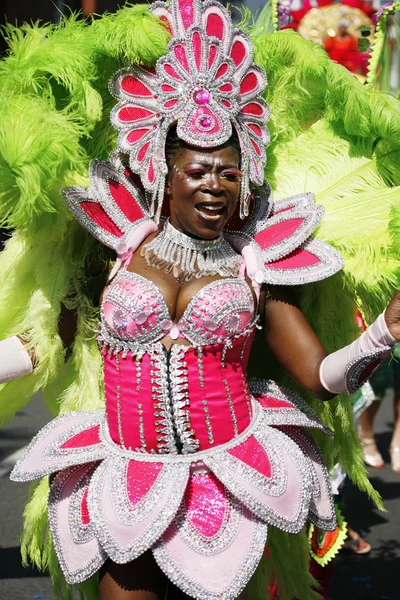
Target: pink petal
(253, 454)
(170, 103)
(205, 504)
(212, 55)
(180, 53)
(238, 52)
(85, 518)
(256, 129)
(169, 69)
(140, 478)
(135, 87)
(133, 113)
(150, 172)
(221, 71)
(125, 201)
(197, 48)
(253, 108)
(142, 152)
(227, 87)
(298, 259)
(186, 11)
(256, 147)
(100, 217)
(168, 88)
(137, 134)
(215, 26)
(276, 233)
(88, 437)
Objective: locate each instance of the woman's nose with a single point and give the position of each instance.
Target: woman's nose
(214, 182)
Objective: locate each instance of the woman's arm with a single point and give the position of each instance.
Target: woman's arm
(300, 352)
(293, 341)
(16, 360)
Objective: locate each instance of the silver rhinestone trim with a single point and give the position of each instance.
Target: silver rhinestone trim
(56, 489)
(74, 422)
(301, 416)
(171, 497)
(234, 588)
(354, 369)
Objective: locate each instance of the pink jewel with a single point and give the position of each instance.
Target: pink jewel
(202, 97)
(233, 322)
(210, 325)
(119, 318)
(174, 332)
(141, 318)
(166, 324)
(205, 122)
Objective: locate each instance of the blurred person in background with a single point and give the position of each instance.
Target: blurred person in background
(385, 383)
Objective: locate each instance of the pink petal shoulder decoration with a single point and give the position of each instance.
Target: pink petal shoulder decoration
(207, 83)
(277, 244)
(113, 209)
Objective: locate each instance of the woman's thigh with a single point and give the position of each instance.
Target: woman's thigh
(141, 579)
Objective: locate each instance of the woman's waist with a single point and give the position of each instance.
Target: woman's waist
(184, 400)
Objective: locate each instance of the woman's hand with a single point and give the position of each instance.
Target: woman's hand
(392, 316)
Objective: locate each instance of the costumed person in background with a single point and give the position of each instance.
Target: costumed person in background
(343, 48)
(190, 470)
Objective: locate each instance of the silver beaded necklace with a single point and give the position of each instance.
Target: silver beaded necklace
(188, 258)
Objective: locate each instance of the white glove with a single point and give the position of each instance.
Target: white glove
(348, 368)
(14, 359)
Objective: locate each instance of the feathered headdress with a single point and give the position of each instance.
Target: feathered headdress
(207, 83)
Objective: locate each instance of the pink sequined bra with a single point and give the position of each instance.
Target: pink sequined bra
(135, 312)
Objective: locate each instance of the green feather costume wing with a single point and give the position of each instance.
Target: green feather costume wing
(330, 136)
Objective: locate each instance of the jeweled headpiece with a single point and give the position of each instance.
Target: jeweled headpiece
(206, 83)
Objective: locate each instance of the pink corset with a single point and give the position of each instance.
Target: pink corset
(192, 397)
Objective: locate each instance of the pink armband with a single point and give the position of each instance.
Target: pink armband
(348, 368)
(14, 360)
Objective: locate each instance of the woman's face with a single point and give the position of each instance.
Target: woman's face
(204, 189)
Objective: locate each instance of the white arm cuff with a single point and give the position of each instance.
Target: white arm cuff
(373, 344)
(14, 360)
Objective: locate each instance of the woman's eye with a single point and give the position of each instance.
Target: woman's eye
(232, 175)
(195, 174)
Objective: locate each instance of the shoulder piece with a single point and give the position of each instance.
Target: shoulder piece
(113, 209)
(276, 241)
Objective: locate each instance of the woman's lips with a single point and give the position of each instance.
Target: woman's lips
(211, 212)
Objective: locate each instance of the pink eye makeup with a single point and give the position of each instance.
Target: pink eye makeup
(197, 173)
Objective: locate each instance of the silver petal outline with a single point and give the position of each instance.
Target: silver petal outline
(89, 552)
(302, 415)
(232, 589)
(141, 535)
(226, 466)
(48, 441)
(330, 262)
(326, 522)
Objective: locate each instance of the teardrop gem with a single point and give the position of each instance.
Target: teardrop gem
(210, 325)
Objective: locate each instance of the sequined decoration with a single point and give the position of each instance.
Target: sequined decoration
(119, 413)
(204, 401)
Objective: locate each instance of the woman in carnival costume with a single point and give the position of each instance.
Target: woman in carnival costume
(190, 470)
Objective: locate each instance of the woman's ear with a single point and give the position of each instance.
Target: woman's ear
(168, 185)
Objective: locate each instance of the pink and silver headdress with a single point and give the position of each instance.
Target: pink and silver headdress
(206, 83)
